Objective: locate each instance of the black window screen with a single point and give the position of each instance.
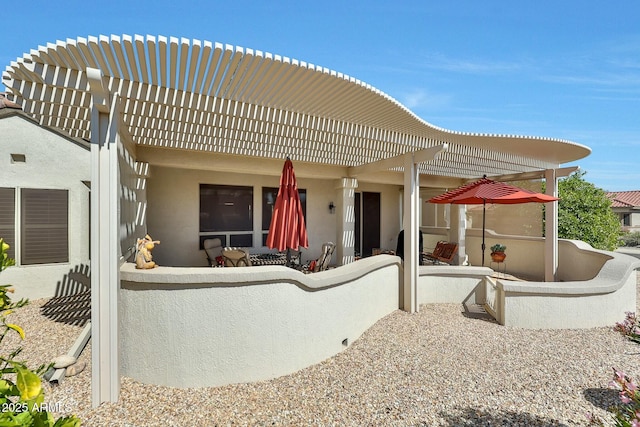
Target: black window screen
(269, 195)
(45, 226)
(8, 218)
(226, 208)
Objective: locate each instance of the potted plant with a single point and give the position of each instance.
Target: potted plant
(497, 252)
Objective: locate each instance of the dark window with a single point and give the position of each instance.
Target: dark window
(241, 240)
(8, 218)
(226, 211)
(45, 226)
(226, 208)
(269, 195)
(626, 220)
(222, 237)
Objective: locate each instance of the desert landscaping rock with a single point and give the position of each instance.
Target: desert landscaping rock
(433, 368)
(75, 369)
(63, 361)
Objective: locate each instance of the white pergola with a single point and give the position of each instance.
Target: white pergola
(202, 96)
(148, 93)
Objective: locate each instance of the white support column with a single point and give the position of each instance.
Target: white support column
(411, 221)
(411, 228)
(142, 175)
(105, 243)
(346, 220)
(458, 230)
(551, 228)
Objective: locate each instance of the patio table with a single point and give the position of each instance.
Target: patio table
(268, 259)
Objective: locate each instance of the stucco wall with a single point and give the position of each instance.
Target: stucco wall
(544, 311)
(525, 256)
(600, 301)
(198, 327)
(583, 302)
(52, 162)
(173, 197)
(452, 284)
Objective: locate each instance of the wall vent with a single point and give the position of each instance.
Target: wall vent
(18, 158)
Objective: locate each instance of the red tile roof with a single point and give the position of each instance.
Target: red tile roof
(624, 199)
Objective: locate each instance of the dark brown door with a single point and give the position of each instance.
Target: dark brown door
(358, 219)
(367, 213)
(370, 222)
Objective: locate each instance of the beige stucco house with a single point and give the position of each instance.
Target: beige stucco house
(188, 139)
(44, 206)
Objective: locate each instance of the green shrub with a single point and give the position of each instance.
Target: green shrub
(584, 213)
(630, 239)
(21, 394)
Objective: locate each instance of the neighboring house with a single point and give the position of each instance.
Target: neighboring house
(626, 204)
(44, 206)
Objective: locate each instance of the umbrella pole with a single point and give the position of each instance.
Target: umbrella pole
(484, 204)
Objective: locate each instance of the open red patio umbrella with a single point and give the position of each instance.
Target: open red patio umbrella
(486, 191)
(287, 229)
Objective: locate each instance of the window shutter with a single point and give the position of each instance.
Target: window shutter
(8, 218)
(45, 226)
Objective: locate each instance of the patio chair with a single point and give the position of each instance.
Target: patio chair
(442, 254)
(236, 257)
(295, 259)
(213, 250)
(324, 260)
(322, 263)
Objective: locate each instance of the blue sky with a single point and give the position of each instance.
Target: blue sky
(561, 69)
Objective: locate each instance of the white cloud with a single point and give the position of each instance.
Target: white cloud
(609, 140)
(618, 174)
(597, 78)
(471, 66)
(421, 99)
(619, 179)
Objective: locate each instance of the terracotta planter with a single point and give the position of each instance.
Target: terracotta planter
(498, 256)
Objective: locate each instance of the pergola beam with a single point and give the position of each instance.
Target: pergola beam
(419, 156)
(525, 176)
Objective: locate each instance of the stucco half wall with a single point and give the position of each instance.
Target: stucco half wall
(200, 327)
(595, 289)
(597, 302)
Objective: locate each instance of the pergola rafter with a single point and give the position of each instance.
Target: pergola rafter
(204, 96)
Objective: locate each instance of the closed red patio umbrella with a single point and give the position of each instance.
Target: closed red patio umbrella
(287, 229)
(486, 191)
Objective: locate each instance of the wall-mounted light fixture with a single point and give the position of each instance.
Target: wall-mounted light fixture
(332, 207)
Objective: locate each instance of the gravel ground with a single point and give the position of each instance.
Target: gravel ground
(434, 368)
